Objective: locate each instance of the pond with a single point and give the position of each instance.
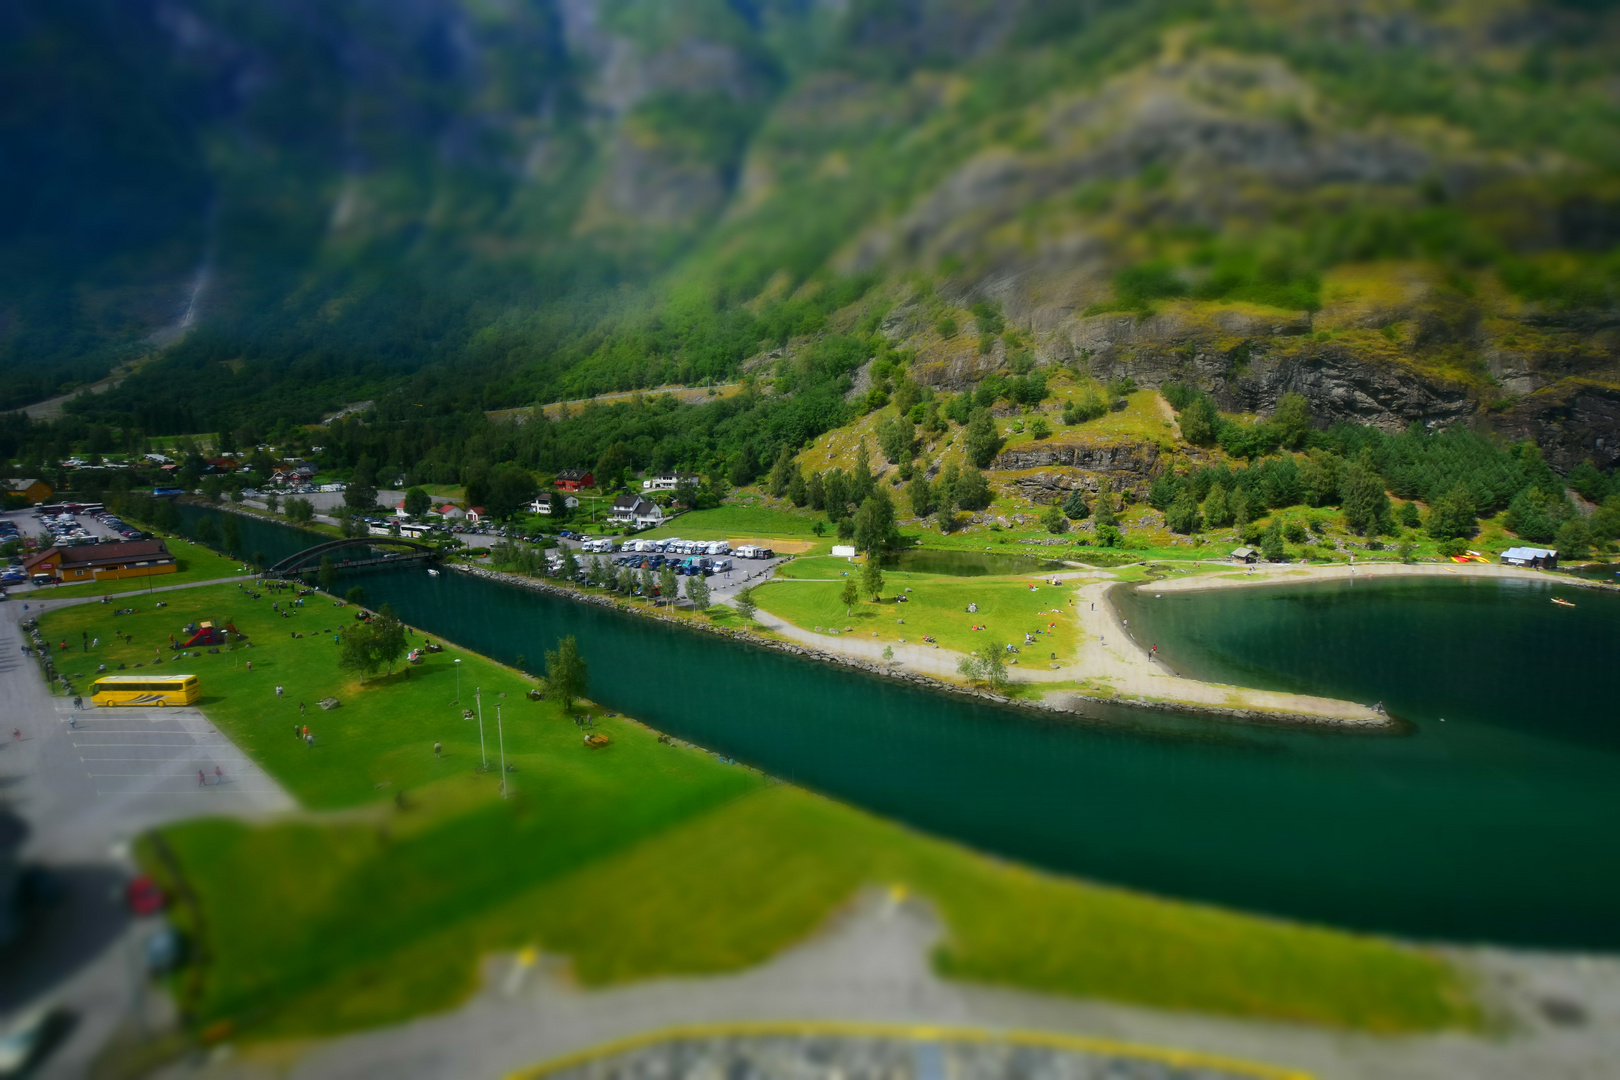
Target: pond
(967, 563)
(1496, 824)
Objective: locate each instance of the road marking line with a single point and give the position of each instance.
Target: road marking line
(171, 757)
(225, 790)
(919, 1032)
(148, 775)
(146, 745)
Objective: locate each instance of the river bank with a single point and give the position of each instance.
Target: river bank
(1171, 802)
(1109, 674)
(1110, 667)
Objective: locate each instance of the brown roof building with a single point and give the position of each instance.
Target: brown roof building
(101, 562)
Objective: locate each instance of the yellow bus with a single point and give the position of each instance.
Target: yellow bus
(146, 690)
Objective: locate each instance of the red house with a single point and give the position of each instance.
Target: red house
(574, 479)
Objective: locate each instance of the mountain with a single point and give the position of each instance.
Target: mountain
(1405, 211)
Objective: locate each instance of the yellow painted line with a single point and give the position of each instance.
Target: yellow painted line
(1192, 1059)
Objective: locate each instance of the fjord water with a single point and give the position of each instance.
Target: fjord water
(1497, 825)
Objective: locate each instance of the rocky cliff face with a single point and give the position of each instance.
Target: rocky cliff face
(1044, 471)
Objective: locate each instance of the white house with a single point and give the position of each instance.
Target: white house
(546, 502)
(667, 482)
(634, 510)
(450, 512)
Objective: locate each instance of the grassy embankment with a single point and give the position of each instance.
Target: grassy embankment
(638, 860)
(936, 606)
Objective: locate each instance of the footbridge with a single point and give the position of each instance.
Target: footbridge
(352, 553)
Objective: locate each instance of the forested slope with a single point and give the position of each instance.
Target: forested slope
(1402, 210)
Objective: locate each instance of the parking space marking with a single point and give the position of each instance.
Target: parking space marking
(216, 790)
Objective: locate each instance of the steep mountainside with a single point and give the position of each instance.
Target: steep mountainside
(1406, 211)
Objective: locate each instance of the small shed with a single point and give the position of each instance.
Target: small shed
(1245, 554)
(1541, 558)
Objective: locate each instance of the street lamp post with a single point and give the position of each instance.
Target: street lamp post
(458, 680)
(479, 695)
(500, 733)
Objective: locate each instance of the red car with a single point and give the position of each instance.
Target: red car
(144, 896)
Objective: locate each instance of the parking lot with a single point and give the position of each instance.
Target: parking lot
(726, 573)
(131, 753)
(27, 525)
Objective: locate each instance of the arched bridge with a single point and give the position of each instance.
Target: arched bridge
(354, 552)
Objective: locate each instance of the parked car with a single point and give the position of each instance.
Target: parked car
(144, 897)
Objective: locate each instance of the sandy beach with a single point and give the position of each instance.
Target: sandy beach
(1112, 666)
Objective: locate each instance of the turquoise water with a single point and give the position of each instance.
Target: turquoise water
(1497, 825)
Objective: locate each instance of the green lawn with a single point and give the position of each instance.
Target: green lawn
(636, 860)
(936, 606)
(747, 520)
(196, 562)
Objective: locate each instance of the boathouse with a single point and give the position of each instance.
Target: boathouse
(1541, 558)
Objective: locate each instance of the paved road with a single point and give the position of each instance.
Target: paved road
(85, 789)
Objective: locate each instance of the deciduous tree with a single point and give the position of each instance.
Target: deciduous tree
(982, 440)
(567, 677)
(872, 577)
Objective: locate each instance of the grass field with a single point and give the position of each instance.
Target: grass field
(641, 859)
(936, 606)
(749, 517)
(196, 562)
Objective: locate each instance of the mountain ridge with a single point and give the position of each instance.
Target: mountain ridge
(1407, 212)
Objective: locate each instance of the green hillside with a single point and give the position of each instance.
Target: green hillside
(1408, 211)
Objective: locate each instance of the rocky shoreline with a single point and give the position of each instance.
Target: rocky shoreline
(1252, 716)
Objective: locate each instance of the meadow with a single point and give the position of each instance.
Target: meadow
(640, 859)
(935, 606)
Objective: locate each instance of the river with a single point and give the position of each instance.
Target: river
(1496, 825)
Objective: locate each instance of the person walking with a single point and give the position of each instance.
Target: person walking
(309, 741)
(279, 691)
(300, 708)
(73, 721)
(16, 734)
(202, 778)
(219, 775)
